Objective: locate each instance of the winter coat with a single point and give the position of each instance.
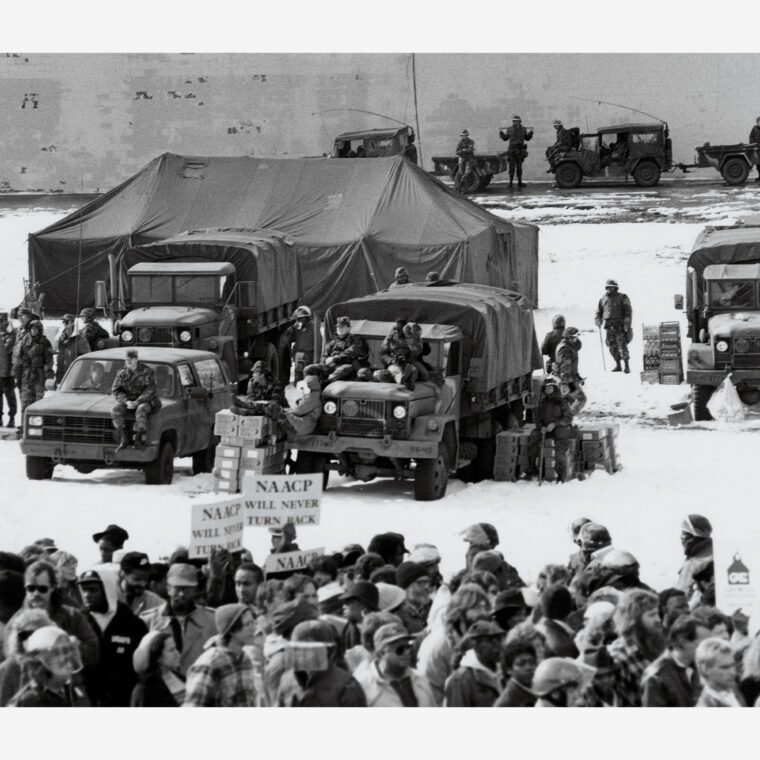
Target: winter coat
(303, 419)
(515, 695)
(698, 557)
(754, 135)
(562, 142)
(34, 359)
(516, 136)
(552, 339)
(379, 692)
(614, 308)
(7, 343)
(666, 684)
(69, 347)
(472, 684)
(272, 391)
(566, 361)
(199, 626)
(559, 641)
(302, 340)
(349, 349)
(135, 385)
(76, 624)
(394, 342)
(555, 410)
(333, 687)
(465, 147)
(435, 659)
(153, 692)
(92, 332)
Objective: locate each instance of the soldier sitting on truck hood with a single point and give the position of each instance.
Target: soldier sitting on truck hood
(396, 355)
(303, 419)
(263, 387)
(345, 355)
(135, 389)
(413, 335)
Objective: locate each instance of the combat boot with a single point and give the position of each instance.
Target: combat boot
(627, 369)
(11, 422)
(139, 439)
(122, 439)
(617, 367)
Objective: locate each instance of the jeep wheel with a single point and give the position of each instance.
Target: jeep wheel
(568, 176)
(431, 477)
(309, 461)
(39, 468)
(160, 472)
(203, 461)
(735, 171)
(485, 181)
(646, 174)
(700, 395)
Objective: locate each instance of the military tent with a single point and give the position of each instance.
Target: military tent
(353, 222)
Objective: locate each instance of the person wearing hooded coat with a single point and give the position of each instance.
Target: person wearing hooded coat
(555, 420)
(551, 340)
(110, 681)
(696, 539)
(302, 420)
(33, 365)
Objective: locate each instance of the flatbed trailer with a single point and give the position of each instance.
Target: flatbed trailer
(734, 162)
(485, 165)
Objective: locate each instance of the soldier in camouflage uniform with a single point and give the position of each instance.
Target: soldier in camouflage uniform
(7, 385)
(566, 368)
(465, 151)
(135, 389)
(516, 135)
(553, 420)
(301, 338)
(615, 314)
(345, 355)
(413, 335)
(91, 330)
(263, 387)
(396, 356)
(33, 364)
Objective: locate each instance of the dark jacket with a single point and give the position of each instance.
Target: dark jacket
(69, 347)
(350, 349)
(272, 391)
(549, 346)
(472, 684)
(465, 147)
(76, 624)
(754, 135)
(92, 333)
(559, 643)
(153, 692)
(555, 410)
(516, 137)
(698, 556)
(563, 142)
(566, 361)
(34, 359)
(7, 342)
(614, 308)
(749, 688)
(333, 687)
(515, 695)
(665, 684)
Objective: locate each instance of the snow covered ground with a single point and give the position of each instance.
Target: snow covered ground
(667, 472)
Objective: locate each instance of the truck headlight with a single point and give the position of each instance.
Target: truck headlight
(741, 345)
(399, 411)
(185, 336)
(35, 421)
(127, 336)
(330, 407)
(35, 432)
(144, 334)
(721, 346)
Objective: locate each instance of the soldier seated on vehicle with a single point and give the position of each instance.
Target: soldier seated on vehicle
(400, 370)
(96, 380)
(465, 151)
(345, 355)
(413, 335)
(262, 388)
(303, 419)
(135, 390)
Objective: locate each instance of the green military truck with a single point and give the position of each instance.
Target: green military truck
(723, 312)
(481, 346)
(73, 425)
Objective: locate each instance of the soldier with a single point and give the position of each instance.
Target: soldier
(396, 356)
(413, 335)
(7, 386)
(70, 345)
(553, 420)
(516, 135)
(400, 278)
(303, 419)
(91, 330)
(345, 355)
(95, 382)
(302, 340)
(135, 389)
(263, 387)
(754, 137)
(614, 311)
(561, 144)
(566, 367)
(465, 150)
(552, 340)
(34, 364)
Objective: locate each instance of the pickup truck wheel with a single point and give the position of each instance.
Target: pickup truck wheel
(39, 468)
(431, 477)
(309, 461)
(568, 176)
(735, 171)
(700, 395)
(646, 174)
(203, 461)
(160, 472)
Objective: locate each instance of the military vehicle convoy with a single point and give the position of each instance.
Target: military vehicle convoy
(481, 348)
(723, 312)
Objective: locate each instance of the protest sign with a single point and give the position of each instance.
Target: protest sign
(216, 525)
(737, 576)
(273, 500)
(290, 561)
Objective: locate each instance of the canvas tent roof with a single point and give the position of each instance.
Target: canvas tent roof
(353, 223)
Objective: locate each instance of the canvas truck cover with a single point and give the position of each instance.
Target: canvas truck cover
(265, 257)
(353, 223)
(497, 325)
(719, 245)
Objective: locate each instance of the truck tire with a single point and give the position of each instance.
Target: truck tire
(700, 395)
(203, 461)
(568, 176)
(431, 477)
(310, 461)
(485, 181)
(39, 468)
(646, 174)
(468, 184)
(85, 469)
(160, 472)
(735, 171)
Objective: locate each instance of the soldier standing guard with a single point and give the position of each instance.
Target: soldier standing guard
(7, 386)
(33, 364)
(516, 135)
(91, 330)
(614, 313)
(134, 388)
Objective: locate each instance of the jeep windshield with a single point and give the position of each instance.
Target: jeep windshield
(732, 294)
(97, 376)
(177, 289)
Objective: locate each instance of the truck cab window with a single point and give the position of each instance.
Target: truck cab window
(185, 376)
(193, 289)
(732, 294)
(210, 374)
(151, 289)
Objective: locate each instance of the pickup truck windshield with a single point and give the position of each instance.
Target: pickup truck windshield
(732, 294)
(181, 289)
(97, 376)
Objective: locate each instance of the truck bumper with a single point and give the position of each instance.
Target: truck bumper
(106, 456)
(715, 377)
(382, 447)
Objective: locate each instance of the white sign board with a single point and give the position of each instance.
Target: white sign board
(216, 525)
(290, 561)
(737, 577)
(273, 500)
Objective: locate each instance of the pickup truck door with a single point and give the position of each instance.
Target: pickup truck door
(214, 379)
(195, 413)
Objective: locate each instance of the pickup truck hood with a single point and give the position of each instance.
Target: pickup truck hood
(736, 324)
(167, 316)
(378, 391)
(74, 403)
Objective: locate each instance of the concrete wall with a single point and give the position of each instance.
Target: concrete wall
(86, 122)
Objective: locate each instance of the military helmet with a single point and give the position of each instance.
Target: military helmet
(302, 312)
(515, 117)
(594, 536)
(558, 320)
(611, 284)
(570, 332)
(464, 133)
(559, 672)
(557, 123)
(88, 313)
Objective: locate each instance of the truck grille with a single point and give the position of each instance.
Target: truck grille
(369, 410)
(746, 361)
(357, 426)
(77, 429)
(160, 336)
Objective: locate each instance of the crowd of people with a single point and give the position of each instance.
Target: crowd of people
(374, 628)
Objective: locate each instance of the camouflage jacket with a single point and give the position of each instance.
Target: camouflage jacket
(272, 391)
(563, 140)
(394, 341)
(348, 349)
(92, 332)
(516, 136)
(35, 356)
(7, 342)
(301, 340)
(414, 344)
(465, 147)
(566, 362)
(138, 385)
(553, 410)
(614, 307)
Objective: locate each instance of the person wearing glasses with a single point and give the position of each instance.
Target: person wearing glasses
(389, 681)
(42, 593)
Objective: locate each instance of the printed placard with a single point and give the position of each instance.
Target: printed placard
(273, 500)
(737, 577)
(291, 561)
(216, 525)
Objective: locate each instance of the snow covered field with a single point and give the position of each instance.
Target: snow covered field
(667, 472)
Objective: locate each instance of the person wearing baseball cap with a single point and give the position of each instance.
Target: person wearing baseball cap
(476, 682)
(133, 587)
(110, 540)
(191, 625)
(389, 681)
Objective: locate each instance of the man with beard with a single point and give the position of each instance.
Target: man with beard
(415, 581)
(696, 539)
(135, 576)
(641, 640)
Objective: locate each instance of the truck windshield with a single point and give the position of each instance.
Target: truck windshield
(97, 376)
(151, 289)
(184, 289)
(732, 294)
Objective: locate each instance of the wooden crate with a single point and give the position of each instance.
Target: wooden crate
(226, 486)
(269, 459)
(671, 378)
(256, 430)
(226, 423)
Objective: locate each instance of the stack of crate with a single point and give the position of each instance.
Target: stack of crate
(247, 444)
(511, 453)
(599, 447)
(551, 460)
(671, 363)
(651, 339)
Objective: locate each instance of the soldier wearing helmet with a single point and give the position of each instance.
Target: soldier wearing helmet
(302, 340)
(33, 364)
(566, 367)
(552, 340)
(558, 681)
(92, 332)
(517, 136)
(465, 151)
(614, 313)
(562, 143)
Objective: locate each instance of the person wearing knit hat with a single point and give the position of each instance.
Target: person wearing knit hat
(556, 606)
(696, 540)
(476, 682)
(390, 546)
(413, 578)
(223, 675)
(551, 340)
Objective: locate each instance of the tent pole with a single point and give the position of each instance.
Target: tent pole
(416, 112)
